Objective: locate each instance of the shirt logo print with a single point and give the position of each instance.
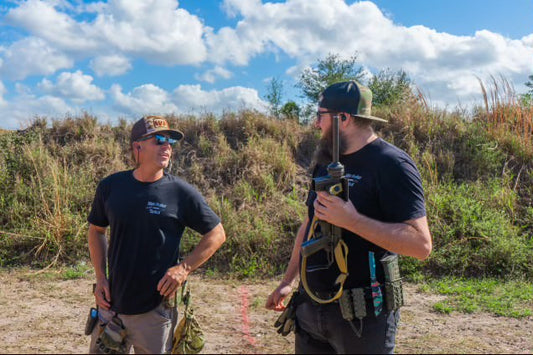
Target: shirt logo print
(155, 207)
(353, 179)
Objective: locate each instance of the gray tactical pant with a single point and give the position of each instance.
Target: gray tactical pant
(320, 329)
(148, 333)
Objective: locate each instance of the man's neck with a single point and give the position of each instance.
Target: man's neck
(146, 174)
(360, 138)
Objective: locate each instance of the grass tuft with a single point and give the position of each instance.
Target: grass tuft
(502, 298)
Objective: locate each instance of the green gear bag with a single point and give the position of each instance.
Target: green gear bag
(188, 336)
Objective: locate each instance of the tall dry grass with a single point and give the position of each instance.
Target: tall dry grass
(506, 117)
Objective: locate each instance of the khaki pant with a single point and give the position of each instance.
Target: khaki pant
(148, 333)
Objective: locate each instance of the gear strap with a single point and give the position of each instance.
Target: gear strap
(341, 258)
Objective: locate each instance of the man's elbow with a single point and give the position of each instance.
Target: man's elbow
(221, 235)
(425, 250)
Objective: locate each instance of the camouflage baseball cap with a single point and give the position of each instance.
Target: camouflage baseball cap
(150, 125)
(350, 97)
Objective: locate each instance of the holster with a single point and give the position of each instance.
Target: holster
(92, 319)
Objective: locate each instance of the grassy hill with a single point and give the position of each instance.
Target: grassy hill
(477, 171)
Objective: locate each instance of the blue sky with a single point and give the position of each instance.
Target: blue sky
(125, 58)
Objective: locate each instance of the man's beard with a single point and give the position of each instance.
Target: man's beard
(324, 151)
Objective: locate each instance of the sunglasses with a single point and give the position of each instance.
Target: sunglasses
(320, 113)
(160, 140)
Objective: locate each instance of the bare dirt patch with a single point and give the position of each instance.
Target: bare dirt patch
(45, 315)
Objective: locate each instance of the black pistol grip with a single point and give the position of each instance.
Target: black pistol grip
(314, 245)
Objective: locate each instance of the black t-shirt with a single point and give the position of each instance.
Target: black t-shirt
(384, 185)
(147, 221)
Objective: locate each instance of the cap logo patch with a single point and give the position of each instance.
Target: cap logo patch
(155, 124)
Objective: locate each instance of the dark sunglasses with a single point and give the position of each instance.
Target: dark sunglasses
(320, 113)
(160, 140)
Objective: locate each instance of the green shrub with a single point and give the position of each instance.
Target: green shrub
(474, 233)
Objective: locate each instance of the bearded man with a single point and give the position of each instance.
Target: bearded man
(384, 215)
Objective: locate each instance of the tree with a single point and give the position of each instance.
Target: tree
(529, 84)
(389, 88)
(332, 69)
(291, 111)
(527, 98)
(274, 95)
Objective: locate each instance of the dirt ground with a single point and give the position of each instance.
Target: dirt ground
(41, 314)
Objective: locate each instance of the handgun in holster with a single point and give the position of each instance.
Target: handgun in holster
(92, 318)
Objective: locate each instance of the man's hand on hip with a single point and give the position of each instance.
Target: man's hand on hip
(174, 278)
(102, 294)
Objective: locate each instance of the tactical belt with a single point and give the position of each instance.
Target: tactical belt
(367, 291)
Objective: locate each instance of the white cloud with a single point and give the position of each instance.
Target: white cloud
(119, 32)
(43, 21)
(19, 111)
(297, 27)
(150, 99)
(3, 91)
(112, 65)
(211, 75)
(93, 7)
(246, 7)
(154, 30)
(192, 98)
(32, 56)
(144, 99)
(74, 86)
(444, 64)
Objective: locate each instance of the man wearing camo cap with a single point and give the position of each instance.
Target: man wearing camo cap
(351, 305)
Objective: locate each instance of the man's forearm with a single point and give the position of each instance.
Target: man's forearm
(207, 246)
(410, 238)
(98, 252)
(293, 267)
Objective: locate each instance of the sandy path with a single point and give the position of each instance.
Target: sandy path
(41, 314)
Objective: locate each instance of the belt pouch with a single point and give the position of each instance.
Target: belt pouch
(112, 338)
(359, 302)
(346, 305)
(393, 282)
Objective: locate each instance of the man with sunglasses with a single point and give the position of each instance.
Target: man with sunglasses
(147, 211)
(383, 216)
